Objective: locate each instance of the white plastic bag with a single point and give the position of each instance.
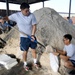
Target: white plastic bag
(54, 62)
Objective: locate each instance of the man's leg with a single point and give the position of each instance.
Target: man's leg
(24, 45)
(35, 59)
(34, 56)
(69, 65)
(25, 60)
(25, 57)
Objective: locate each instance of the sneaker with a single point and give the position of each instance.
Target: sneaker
(26, 68)
(36, 66)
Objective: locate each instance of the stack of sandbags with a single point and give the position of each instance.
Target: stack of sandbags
(7, 61)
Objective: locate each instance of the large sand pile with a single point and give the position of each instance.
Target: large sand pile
(50, 30)
(12, 39)
(51, 27)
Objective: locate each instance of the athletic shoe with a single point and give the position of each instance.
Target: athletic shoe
(36, 66)
(26, 68)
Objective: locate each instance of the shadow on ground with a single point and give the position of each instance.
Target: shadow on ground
(19, 70)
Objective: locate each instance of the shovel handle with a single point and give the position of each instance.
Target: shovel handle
(32, 38)
(36, 41)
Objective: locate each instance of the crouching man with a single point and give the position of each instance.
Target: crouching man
(68, 53)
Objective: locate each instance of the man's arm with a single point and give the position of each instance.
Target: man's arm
(9, 20)
(12, 17)
(62, 52)
(34, 22)
(6, 18)
(33, 32)
(33, 29)
(65, 58)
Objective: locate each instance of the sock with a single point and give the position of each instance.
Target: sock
(25, 63)
(35, 61)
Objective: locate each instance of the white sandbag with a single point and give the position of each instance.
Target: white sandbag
(54, 62)
(7, 61)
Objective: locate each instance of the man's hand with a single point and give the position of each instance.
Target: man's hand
(6, 18)
(55, 53)
(55, 49)
(33, 38)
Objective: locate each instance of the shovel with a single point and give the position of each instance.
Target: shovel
(26, 35)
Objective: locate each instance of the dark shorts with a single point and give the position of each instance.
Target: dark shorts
(25, 43)
(73, 62)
